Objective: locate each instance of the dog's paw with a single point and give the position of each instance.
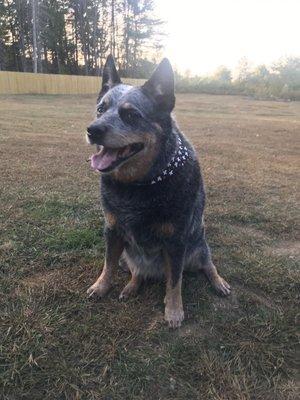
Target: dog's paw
(98, 290)
(221, 286)
(126, 293)
(174, 317)
(129, 290)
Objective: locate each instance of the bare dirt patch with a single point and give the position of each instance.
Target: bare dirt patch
(289, 249)
(251, 232)
(42, 278)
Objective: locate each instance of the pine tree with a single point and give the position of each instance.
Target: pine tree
(75, 36)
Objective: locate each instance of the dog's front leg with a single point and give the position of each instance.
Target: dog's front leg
(174, 257)
(114, 247)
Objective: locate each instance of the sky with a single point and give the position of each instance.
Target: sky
(204, 34)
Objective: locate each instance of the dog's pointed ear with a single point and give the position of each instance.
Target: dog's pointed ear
(110, 76)
(161, 86)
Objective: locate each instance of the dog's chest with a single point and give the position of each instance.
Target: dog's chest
(136, 219)
(137, 230)
(136, 207)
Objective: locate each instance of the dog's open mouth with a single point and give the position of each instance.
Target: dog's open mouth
(109, 158)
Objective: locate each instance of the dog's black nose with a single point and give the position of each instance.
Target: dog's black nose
(96, 130)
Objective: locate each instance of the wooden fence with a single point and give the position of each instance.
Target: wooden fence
(26, 82)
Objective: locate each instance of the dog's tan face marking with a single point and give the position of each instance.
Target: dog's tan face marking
(103, 105)
(106, 100)
(110, 219)
(174, 314)
(127, 106)
(138, 166)
(166, 229)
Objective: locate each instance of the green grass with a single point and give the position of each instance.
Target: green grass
(55, 344)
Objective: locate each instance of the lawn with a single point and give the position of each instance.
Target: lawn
(56, 344)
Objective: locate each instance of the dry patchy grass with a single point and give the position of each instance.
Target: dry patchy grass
(57, 345)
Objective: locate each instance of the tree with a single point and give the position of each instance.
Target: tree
(243, 70)
(223, 74)
(34, 35)
(289, 70)
(261, 72)
(140, 34)
(75, 36)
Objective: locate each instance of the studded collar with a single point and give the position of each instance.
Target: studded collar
(177, 161)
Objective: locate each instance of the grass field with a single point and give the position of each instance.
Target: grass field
(55, 344)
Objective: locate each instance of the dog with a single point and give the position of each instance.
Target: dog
(152, 191)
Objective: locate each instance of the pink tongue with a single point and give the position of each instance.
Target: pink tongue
(103, 159)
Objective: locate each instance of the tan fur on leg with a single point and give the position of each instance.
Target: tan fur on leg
(104, 282)
(174, 314)
(215, 279)
(131, 288)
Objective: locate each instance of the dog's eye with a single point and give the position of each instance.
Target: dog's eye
(129, 115)
(101, 108)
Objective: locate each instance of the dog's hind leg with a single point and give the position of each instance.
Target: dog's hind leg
(131, 288)
(218, 283)
(200, 259)
(210, 270)
(136, 279)
(123, 263)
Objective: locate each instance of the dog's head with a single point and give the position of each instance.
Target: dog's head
(129, 127)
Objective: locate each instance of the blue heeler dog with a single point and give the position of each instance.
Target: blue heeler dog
(151, 189)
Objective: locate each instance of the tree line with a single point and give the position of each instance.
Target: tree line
(75, 36)
(280, 80)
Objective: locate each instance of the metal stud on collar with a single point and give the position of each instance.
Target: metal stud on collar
(178, 160)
